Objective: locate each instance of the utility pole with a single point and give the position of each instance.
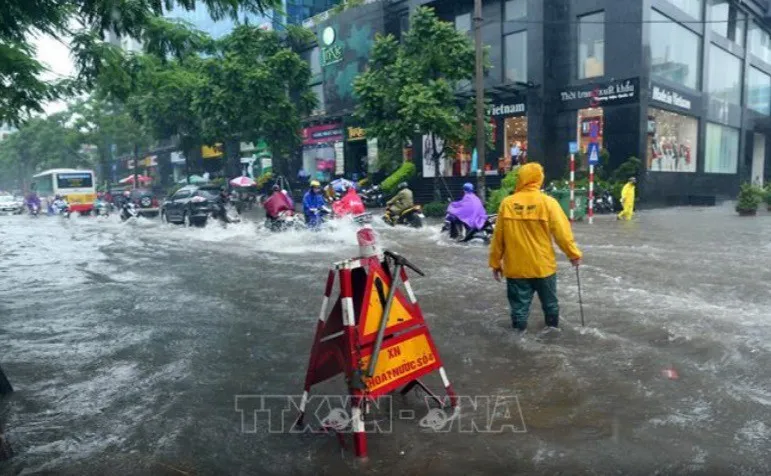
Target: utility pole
(136, 165)
(479, 81)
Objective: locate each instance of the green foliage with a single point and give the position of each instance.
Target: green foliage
(263, 179)
(435, 209)
(632, 167)
(86, 21)
(508, 185)
(750, 197)
(402, 174)
(409, 87)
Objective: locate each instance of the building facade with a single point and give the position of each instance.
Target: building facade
(683, 85)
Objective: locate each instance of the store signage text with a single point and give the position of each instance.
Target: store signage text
(322, 134)
(595, 95)
(670, 97)
(356, 133)
(507, 109)
(331, 53)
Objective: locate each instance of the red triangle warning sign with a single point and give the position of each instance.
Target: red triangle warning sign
(402, 314)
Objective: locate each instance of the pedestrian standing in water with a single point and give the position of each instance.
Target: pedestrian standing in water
(522, 250)
(627, 200)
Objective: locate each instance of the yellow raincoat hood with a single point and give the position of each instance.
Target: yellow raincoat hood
(528, 221)
(530, 177)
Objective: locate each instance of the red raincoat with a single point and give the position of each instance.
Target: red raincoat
(350, 204)
(277, 203)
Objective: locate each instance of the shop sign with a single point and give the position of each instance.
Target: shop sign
(500, 110)
(683, 101)
(339, 158)
(322, 134)
(331, 53)
(356, 133)
(598, 95)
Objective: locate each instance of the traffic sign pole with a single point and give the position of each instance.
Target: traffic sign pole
(591, 194)
(572, 187)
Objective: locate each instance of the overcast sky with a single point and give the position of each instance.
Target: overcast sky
(56, 57)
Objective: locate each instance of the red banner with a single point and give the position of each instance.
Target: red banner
(323, 134)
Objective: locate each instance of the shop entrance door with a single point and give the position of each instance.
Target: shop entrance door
(758, 158)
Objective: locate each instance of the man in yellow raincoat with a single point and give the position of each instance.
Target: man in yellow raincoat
(627, 200)
(522, 250)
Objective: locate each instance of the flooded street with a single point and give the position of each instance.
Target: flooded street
(127, 344)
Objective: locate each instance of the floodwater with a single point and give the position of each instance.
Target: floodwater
(128, 343)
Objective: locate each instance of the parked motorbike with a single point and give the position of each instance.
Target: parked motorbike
(373, 197)
(461, 232)
(128, 210)
(412, 217)
(604, 203)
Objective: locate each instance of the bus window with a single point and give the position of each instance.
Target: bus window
(74, 180)
(43, 185)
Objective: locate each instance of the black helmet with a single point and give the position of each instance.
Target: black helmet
(276, 188)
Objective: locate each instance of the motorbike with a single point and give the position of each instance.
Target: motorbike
(228, 213)
(34, 209)
(61, 208)
(285, 221)
(412, 217)
(604, 203)
(321, 216)
(101, 208)
(373, 197)
(461, 232)
(128, 210)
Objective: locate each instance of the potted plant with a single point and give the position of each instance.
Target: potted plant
(749, 199)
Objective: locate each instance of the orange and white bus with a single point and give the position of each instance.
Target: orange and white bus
(78, 187)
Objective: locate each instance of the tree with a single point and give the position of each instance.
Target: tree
(86, 22)
(409, 89)
(254, 86)
(41, 143)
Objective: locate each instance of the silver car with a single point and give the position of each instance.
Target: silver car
(11, 204)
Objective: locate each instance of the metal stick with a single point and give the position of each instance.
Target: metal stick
(580, 301)
(397, 275)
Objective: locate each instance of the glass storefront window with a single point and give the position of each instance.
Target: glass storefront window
(760, 43)
(516, 9)
(591, 45)
(516, 57)
(591, 122)
(759, 91)
(691, 7)
(318, 90)
(672, 141)
(722, 155)
(319, 161)
(727, 21)
(725, 75)
(514, 143)
(463, 22)
(675, 51)
(315, 61)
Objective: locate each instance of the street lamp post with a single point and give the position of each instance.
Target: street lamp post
(480, 99)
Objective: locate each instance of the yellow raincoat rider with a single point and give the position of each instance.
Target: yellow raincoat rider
(522, 250)
(627, 200)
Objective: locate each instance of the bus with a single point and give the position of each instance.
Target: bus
(76, 186)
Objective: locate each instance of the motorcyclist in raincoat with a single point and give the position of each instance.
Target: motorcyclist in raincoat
(277, 202)
(468, 209)
(313, 204)
(522, 250)
(32, 200)
(627, 200)
(400, 202)
(349, 204)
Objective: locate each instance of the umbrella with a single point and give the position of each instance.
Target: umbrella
(242, 181)
(130, 179)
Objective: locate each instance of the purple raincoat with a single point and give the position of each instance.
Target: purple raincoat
(469, 210)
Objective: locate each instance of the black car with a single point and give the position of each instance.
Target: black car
(192, 205)
(146, 202)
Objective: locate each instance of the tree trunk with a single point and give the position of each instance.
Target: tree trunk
(232, 158)
(435, 158)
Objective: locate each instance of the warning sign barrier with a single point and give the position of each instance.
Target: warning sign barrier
(377, 353)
